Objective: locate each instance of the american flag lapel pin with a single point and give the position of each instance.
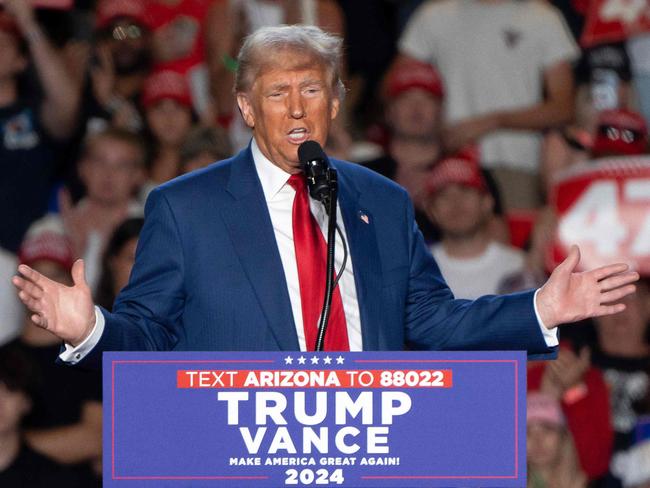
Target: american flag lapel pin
(364, 217)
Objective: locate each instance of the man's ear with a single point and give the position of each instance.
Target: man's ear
(336, 104)
(246, 109)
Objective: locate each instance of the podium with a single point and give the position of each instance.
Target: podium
(270, 419)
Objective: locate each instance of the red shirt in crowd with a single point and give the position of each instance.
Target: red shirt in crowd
(179, 28)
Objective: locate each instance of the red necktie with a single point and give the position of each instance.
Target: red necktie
(311, 257)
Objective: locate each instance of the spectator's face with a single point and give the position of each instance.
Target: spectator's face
(12, 61)
(121, 265)
(129, 44)
(415, 113)
(460, 211)
(111, 171)
(543, 444)
(14, 405)
(290, 102)
(169, 121)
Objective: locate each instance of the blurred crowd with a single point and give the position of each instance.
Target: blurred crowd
(477, 107)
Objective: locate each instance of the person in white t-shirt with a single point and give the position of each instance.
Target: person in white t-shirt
(506, 66)
(471, 261)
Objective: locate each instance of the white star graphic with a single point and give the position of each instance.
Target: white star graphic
(314, 360)
(288, 360)
(327, 360)
(340, 360)
(301, 360)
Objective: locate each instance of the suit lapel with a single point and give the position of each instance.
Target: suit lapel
(362, 241)
(249, 224)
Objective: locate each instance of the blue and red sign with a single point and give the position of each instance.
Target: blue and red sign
(324, 419)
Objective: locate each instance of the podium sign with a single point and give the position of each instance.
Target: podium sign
(406, 419)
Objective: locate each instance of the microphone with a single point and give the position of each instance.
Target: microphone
(315, 165)
(323, 187)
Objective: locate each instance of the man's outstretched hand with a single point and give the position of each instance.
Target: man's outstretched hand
(569, 296)
(66, 311)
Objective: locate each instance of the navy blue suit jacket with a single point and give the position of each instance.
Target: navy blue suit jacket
(208, 274)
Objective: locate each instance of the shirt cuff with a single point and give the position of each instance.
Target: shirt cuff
(550, 335)
(72, 355)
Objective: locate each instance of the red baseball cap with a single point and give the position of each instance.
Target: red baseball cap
(110, 10)
(166, 84)
(45, 243)
(620, 132)
(461, 168)
(414, 74)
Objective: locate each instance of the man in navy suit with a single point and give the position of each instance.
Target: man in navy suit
(216, 264)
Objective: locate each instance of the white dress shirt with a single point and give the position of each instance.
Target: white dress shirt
(279, 198)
